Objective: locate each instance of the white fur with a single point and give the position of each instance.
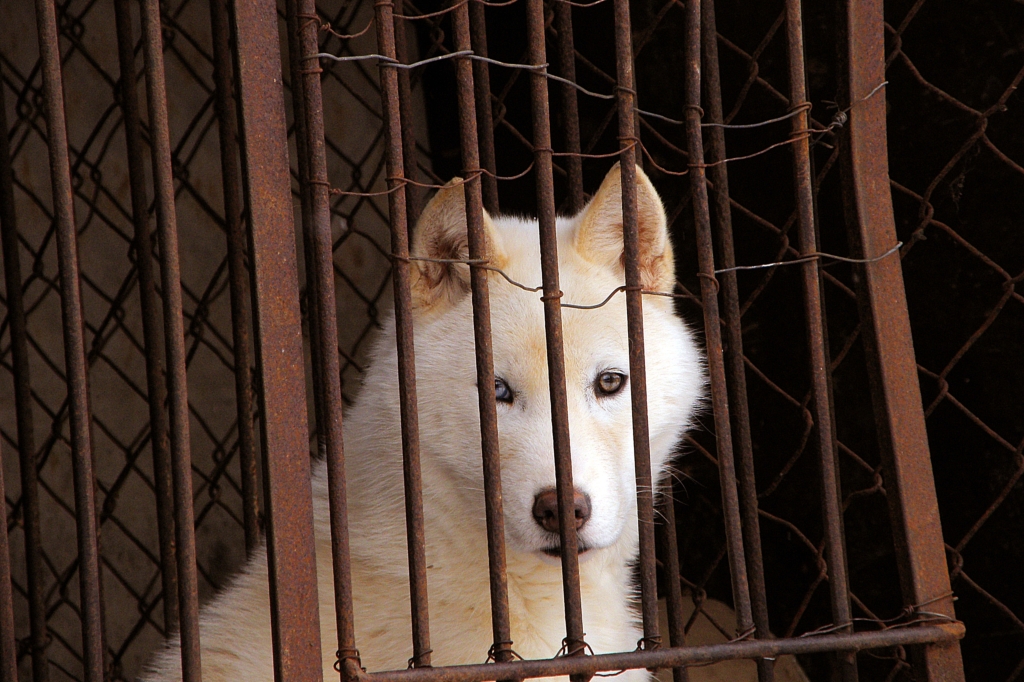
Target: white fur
(235, 626)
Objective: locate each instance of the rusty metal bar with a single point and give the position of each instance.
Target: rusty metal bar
(675, 657)
(284, 434)
(570, 105)
(151, 323)
(484, 113)
(674, 592)
(170, 279)
(574, 639)
(404, 337)
(888, 344)
(329, 428)
(832, 521)
(227, 122)
(478, 249)
(628, 144)
(23, 410)
(75, 366)
(721, 217)
(712, 325)
(405, 108)
(8, 647)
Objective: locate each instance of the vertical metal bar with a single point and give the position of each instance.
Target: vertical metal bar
(227, 121)
(404, 339)
(542, 154)
(405, 108)
(72, 318)
(835, 554)
(570, 108)
(888, 345)
(628, 144)
(712, 324)
(151, 329)
(295, 619)
(170, 280)
(330, 428)
(722, 218)
(484, 113)
(674, 596)
(23, 410)
(8, 648)
(479, 249)
(295, 64)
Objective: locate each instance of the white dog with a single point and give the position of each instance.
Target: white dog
(235, 627)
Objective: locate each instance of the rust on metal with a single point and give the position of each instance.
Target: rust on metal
(8, 648)
(575, 644)
(405, 109)
(38, 637)
(674, 592)
(628, 143)
(238, 275)
(284, 433)
(739, 410)
(570, 105)
(174, 333)
(675, 657)
(817, 343)
(75, 366)
(712, 322)
(152, 330)
(484, 112)
(306, 81)
(384, 17)
(888, 344)
(477, 242)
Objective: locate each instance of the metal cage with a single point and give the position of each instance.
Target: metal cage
(272, 147)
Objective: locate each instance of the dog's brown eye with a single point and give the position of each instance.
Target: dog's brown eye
(609, 383)
(502, 393)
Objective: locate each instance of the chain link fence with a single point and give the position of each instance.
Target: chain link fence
(954, 132)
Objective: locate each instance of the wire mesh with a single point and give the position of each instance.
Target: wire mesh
(954, 215)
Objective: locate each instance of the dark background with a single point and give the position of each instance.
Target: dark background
(955, 128)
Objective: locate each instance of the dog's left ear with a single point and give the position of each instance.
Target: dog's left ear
(599, 235)
(440, 234)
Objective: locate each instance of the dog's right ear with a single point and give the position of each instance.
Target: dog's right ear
(441, 235)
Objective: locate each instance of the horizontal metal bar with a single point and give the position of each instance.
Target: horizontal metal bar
(674, 657)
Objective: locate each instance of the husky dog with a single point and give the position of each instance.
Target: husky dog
(235, 627)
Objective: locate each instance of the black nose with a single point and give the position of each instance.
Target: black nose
(545, 509)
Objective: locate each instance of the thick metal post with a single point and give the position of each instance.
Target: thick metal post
(284, 434)
(807, 243)
(75, 366)
(404, 337)
(543, 168)
(23, 410)
(885, 328)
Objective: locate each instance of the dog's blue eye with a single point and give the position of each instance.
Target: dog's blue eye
(609, 383)
(502, 393)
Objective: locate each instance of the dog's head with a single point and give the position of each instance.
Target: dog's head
(596, 352)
